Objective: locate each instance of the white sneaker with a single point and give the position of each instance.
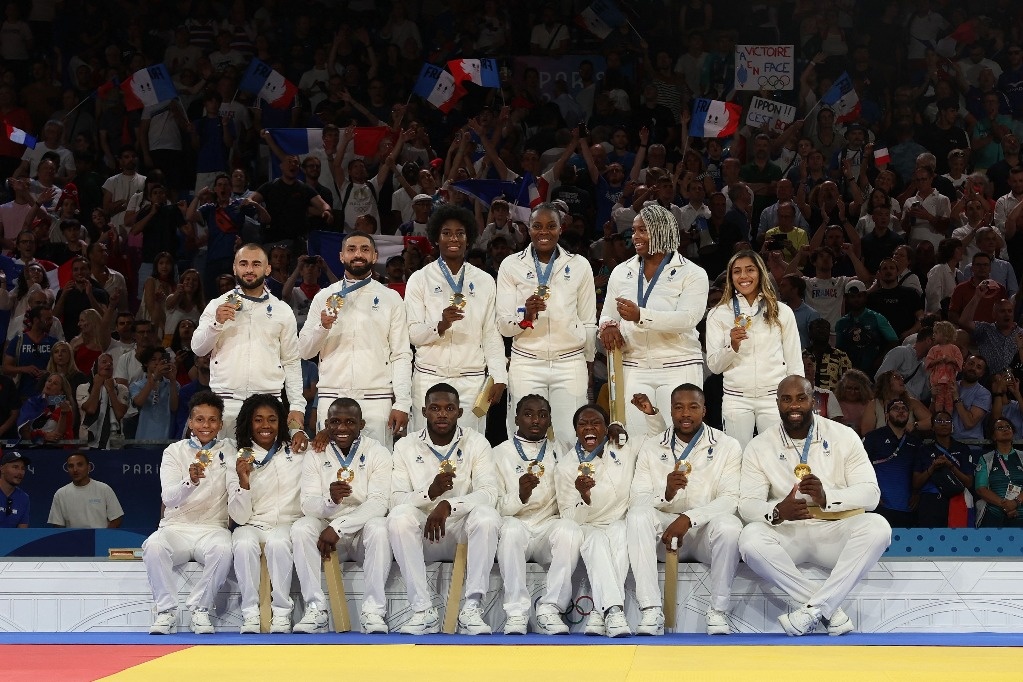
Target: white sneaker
(422, 623)
(549, 621)
(164, 623)
(595, 623)
(201, 624)
(280, 624)
(250, 626)
(800, 622)
(651, 621)
(717, 623)
(615, 624)
(516, 625)
(839, 624)
(373, 624)
(313, 622)
(470, 621)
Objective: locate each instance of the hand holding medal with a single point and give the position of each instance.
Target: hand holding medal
(226, 310)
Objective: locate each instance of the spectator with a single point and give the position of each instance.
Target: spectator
(908, 362)
(155, 396)
(181, 349)
(28, 352)
(894, 451)
(201, 382)
(900, 305)
(998, 486)
(16, 503)
(186, 303)
(32, 279)
(791, 290)
(1005, 396)
(862, 333)
(119, 188)
(891, 386)
(309, 270)
(84, 502)
(974, 299)
(62, 362)
(971, 401)
(46, 415)
(288, 201)
(422, 207)
(881, 242)
(999, 341)
(102, 403)
(854, 392)
(93, 339)
(156, 288)
(925, 215)
(989, 241)
(825, 402)
(158, 222)
(944, 469)
(831, 364)
(944, 362)
(941, 279)
(550, 37)
(111, 281)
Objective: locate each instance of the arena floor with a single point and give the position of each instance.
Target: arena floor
(874, 657)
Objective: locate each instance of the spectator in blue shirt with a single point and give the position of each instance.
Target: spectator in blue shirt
(893, 451)
(15, 500)
(155, 395)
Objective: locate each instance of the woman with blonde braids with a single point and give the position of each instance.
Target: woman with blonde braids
(753, 341)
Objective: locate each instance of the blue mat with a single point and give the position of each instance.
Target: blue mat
(977, 639)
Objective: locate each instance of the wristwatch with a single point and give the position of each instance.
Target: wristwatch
(775, 517)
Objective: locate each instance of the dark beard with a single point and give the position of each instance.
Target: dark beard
(255, 286)
(359, 271)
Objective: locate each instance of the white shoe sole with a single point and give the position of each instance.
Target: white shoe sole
(649, 630)
(311, 630)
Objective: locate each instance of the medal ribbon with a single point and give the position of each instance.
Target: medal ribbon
(269, 455)
(735, 305)
(522, 454)
(446, 271)
(688, 448)
(454, 446)
(255, 299)
(642, 297)
(194, 443)
(806, 443)
(346, 462)
(347, 288)
(583, 457)
(543, 275)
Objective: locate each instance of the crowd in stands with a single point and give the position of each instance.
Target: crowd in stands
(902, 269)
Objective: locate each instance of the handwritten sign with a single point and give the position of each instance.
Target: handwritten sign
(775, 115)
(764, 67)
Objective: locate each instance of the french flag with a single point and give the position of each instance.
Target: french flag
(601, 18)
(19, 136)
(713, 118)
(297, 141)
(438, 87)
(147, 87)
(269, 84)
(527, 199)
(522, 193)
(842, 99)
(482, 72)
(367, 139)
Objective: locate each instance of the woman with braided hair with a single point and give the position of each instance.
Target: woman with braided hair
(654, 302)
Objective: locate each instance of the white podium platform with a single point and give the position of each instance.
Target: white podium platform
(896, 596)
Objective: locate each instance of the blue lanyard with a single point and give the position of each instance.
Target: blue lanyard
(346, 462)
(269, 455)
(642, 297)
(806, 444)
(945, 452)
(522, 454)
(445, 457)
(689, 445)
(446, 271)
(347, 288)
(735, 306)
(543, 275)
(260, 299)
(194, 443)
(583, 457)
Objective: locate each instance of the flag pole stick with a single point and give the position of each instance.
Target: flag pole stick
(84, 100)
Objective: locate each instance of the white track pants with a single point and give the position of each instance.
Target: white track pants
(375, 411)
(468, 388)
(553, 543)
(172, 546)
(562, 382)
(741, 414)
(658, 385)
(607, 562)
(279, 562)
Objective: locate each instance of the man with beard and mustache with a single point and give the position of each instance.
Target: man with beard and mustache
(433, 510)
(893, 452)
(358, 328)
(252, 338)
(685, 491)
(803, 488)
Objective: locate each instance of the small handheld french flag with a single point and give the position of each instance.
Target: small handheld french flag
(148, 86)
(268, 84)
(842, 99)
(438, 87)
(482, 72)
(713, 118)
(882, 156)
(19, 136)
(600, 18)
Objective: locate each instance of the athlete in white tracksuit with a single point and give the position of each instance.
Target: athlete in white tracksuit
(698, 506)
(554, 338)
(653, 314)
(364, 348)
(455, 345)
(253, 349)
(262, 498)
(781, 532)
(446, 508)
(194, 523)
(346, 515)
(598, 503)
(531, 529)
(753, 360)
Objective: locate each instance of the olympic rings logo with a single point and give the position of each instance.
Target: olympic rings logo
(578, 609)
(782, 82)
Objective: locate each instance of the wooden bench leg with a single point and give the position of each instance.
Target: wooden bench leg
(336, 594)
(455, 591)
(670, 589)
(265, 613)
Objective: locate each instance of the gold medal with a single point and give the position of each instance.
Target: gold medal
(204, 458)
(334, 303)
(458, 300)
(346, 475)
(535, 468)
(743, 321)
(543, 291)
(587, 469)
(245, 454)
(684, 466)
(234, 300)
(802, 471)
(446, 467)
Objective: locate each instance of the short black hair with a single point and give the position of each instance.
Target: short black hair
(206, 398)
(346, 403)
(446, 212)
(442, 388)
(689, 387)
(531, 396)
(590, 406)
(148, 354)
(243, 425)
(359, 233)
